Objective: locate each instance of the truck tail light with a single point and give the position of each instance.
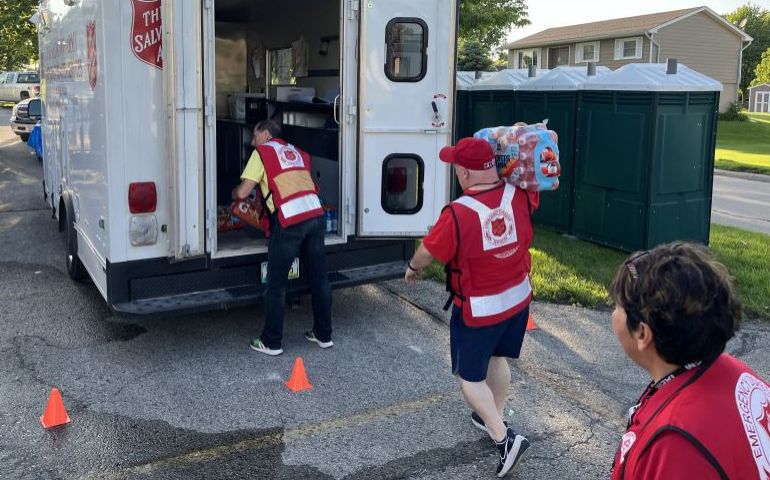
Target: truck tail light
(142, 197)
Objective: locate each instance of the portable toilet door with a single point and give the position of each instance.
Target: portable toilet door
(645, 156)
(555, 96)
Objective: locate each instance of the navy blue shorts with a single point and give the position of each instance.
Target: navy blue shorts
(473, 347)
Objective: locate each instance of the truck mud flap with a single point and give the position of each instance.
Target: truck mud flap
(219, 299)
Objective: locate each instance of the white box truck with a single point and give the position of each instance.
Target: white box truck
(141, 150)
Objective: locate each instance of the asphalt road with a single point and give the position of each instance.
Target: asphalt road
(742, 202)
(185, 398)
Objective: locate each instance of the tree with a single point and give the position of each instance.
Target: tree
(19, 37)
(488, 21)
(762, 72)
(755, 21)
(473, 56)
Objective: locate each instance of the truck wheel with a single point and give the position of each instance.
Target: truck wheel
(24, 137)
(75, 267)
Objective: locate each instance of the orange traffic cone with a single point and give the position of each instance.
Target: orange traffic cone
(55, 413)
(298, 380)
(531, 323)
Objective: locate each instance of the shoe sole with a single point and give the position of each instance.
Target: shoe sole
(514, 460)
(272, 353)
(320, 343)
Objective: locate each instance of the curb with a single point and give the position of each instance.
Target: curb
(757, 177)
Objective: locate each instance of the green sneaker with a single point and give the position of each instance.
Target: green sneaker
(260, 347)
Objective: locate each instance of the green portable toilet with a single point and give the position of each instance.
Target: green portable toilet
(463, 82)
(492, 100)
(554, 96)
(463, 124)
(645, 156)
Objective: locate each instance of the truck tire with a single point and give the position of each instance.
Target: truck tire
(75, 268)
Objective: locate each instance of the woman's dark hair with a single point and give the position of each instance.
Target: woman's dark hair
(685, 297)
(270, 126)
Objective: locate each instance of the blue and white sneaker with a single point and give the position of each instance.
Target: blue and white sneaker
(511, 449)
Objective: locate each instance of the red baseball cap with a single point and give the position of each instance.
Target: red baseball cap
(471, 153)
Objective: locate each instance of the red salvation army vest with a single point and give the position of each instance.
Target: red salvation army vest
(290, 182)
(723, 411)
(490, 273)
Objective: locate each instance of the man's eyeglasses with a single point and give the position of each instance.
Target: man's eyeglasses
(631, 264)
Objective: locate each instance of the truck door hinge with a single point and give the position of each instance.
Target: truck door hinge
(349, 210)
(353, 11)
(207, 4)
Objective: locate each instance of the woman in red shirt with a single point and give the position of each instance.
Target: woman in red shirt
(705, 413)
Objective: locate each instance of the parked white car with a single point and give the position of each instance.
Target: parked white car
(16, 86)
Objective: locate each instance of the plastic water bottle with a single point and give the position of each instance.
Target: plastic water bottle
(328, 217)
(333, 221)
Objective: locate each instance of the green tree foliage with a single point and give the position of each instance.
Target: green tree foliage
(18, 37)
(488, 21)
(757, 24)
(473, 56)
(762, 72)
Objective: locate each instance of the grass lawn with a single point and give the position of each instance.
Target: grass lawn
(571, 271)
(744, 146)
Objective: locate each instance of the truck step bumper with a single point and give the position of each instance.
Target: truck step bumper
(218, 299)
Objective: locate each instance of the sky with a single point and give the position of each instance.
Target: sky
(546, 14)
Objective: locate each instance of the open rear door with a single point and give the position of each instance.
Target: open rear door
(405, 113)
(182, 48)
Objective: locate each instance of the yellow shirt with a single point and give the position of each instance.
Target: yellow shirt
(255, 171)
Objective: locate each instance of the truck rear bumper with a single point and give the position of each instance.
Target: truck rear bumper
(159, 287)
(219, 299)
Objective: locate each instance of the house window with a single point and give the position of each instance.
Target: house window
(406, 41)
(558, 56)
(587, 52)
(628, 48)
(525, 58)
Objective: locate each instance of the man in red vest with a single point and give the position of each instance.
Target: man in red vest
(297, 228)
(705, 414)
(483, 238)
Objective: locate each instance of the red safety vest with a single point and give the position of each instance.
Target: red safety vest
(290, 182)
(723, 411)
(489, 275)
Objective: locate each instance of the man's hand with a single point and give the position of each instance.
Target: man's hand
(411, 276)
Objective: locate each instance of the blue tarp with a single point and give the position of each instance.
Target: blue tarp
(35, 140)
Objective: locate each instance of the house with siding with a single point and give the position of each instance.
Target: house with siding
(697, 37)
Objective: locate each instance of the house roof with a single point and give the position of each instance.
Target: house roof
(617, 27)
(760, 85)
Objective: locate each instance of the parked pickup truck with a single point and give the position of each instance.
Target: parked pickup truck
(15, 86)
(24, 116)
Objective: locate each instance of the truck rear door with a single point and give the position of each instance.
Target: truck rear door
(405, 112)
(182, 60)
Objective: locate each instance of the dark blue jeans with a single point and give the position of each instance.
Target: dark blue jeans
(305, 240)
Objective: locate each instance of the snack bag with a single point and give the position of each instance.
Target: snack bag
(526, 155)
(226, 221)
(250, 210)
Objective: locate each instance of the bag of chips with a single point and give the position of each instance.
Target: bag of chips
(252, 211)
(526, 155)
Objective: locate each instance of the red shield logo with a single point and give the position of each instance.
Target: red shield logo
(290, 155)
(91, 47)
(498, 227)
(147, 32)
